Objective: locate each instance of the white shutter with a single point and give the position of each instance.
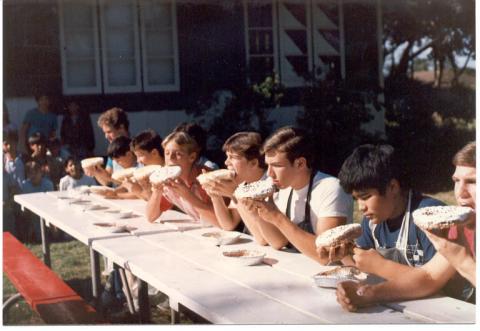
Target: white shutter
(158, 22)
(120, 46)
(80, 57)
(328, 41)
(295, 47)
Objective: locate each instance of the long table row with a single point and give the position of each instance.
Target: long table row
(173, 256)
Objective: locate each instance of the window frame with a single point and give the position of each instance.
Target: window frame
(68, 90)
(175, 87)
(137, 86)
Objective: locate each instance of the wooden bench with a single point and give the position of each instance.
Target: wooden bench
(42, 289)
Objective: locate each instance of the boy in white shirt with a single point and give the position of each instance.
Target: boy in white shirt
(74, 176)
(309, 202)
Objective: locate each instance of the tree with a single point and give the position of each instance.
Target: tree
(443, 28)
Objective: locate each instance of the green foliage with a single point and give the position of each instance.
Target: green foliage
(226, 113)
(333, 118)
(444, 29)
(429, 125)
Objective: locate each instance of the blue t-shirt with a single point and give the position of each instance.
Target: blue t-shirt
(40, 122)
(419, 249)
(45, 186)
(15, 172)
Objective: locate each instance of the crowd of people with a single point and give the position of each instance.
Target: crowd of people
(414, 263)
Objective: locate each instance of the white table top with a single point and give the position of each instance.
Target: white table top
(175, 258)
(212, 296)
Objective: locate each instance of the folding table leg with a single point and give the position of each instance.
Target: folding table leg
(143, 302)
(174, 311)
(95, 273)
(128, 293)
(45, 243)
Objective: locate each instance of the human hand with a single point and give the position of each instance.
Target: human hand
(178, 186)
(367, 260)
(223, 187)
(352, 295)
(330, 254)
(267, 210)
(132, 187)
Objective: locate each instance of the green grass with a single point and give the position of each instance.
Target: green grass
(71, 261)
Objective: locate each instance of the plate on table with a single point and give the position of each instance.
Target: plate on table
(244, 257)
(112, 227)
(332, 277)
(222, 237)
(99, 189)
(95, 207)
(117, 213)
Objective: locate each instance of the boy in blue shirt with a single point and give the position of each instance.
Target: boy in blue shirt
(40, 119)
(35, 182)
(390, 240)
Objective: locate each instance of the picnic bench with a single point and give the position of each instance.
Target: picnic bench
(45, 292)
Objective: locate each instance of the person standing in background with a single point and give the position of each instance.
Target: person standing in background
(76, 131)
(40, 119)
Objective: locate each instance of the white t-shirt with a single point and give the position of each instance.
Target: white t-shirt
(328, 199)
(67, 182)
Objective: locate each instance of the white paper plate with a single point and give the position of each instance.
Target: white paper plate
(222, 237)
(337, 275)
(244, 257)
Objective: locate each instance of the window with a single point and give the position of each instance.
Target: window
(119, 46)
(294, 38)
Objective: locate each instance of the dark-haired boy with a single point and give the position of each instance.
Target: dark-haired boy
(147, 147)
(74, 175)
(455, 256)
(119, 151)
(309, 202)
(390, 241)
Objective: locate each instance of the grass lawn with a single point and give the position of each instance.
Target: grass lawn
(71, 261)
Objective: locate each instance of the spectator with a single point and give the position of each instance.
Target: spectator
(35, 182)
(74, 175)
(13, 177)
(51, 167)
(12, 162)
(40, 119)
(198, 133)
(76, 131)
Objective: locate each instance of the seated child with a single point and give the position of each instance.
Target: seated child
(12, 162)
(244, 156)
(74, 176)
(35, 182)
(184, 192)
(51, 167)
(390, 242)
(147, 147)
(455, 254)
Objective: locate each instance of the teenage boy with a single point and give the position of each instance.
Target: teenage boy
(376, 178)
(147, 147)
(457, 253)
(114, 123)
(309, 201)
(244, 156)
